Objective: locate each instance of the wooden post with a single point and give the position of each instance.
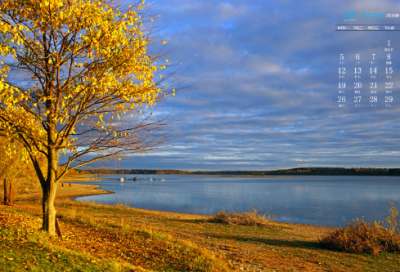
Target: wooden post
(58, 229)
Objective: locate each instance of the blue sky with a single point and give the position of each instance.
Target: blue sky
(264, 87)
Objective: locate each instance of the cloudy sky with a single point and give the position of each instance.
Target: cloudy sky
(264, 94)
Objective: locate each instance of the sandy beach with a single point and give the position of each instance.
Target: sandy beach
(64, 190)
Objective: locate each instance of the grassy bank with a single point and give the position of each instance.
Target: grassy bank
(93, 244)
(114, 238)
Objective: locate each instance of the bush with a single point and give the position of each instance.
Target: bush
(360, 236)
(253, 218)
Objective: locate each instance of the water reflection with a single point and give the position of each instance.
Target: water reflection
(328, 201)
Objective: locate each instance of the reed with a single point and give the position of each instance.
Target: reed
(253, 218)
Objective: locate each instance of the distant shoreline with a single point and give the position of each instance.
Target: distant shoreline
(304, 171)
(256, 176)
(81, 177)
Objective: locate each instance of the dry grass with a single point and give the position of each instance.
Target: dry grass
(276, 247)
(122, 204)
(253, 218)
(372, 237)
(360, 237)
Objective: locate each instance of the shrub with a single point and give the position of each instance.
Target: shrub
(360, 236)
(253, 218)
(391, 218)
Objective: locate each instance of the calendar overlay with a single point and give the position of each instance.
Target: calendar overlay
(365, 79)
(367, 27)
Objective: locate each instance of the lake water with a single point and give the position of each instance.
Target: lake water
(325, 201)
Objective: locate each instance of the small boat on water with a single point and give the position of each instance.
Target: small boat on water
(151, 179)
(162, 179)
(135, 179)
(122, 179)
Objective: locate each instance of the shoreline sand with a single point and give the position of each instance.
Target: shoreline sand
(76, 190)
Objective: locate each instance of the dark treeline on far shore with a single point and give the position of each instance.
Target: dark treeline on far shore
(323, 171)
(133, 171)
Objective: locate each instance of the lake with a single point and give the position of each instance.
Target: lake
(315, 200)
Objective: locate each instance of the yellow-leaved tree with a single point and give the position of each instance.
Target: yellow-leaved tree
(79, 68)
(16, 170)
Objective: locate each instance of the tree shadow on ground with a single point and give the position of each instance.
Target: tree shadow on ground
(273, 242)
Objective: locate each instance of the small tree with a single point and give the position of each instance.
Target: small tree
(16, 170)
(86, 64)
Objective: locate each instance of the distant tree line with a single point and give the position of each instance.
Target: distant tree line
(319, 171)
(327, 171)
(134, 171)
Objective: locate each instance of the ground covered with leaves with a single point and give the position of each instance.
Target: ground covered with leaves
(23, 246)
(91, 247)
(118, 238)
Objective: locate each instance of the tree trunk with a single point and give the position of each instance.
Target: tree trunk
(49, 188)
(9, 192)
(5, 191)
(49, 211)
